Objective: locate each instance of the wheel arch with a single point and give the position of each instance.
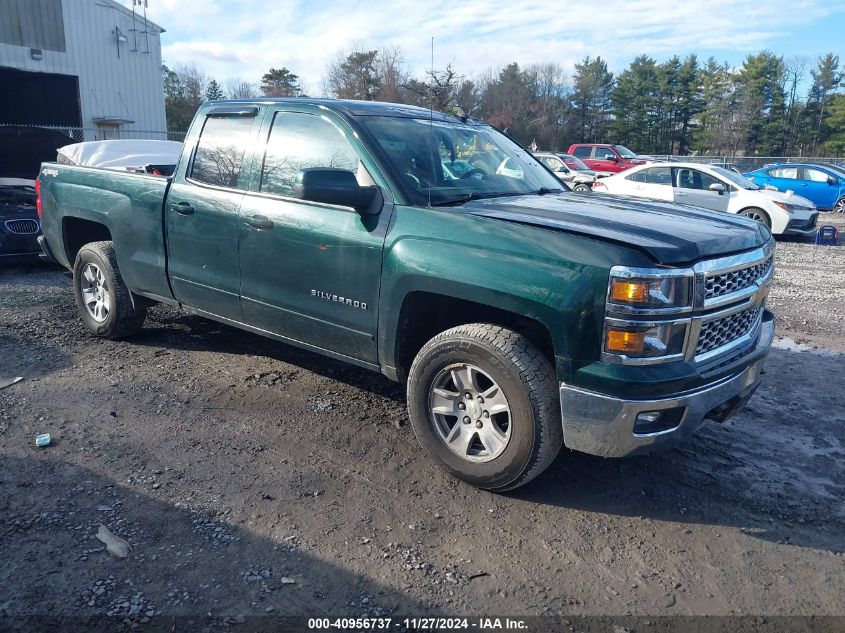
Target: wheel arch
(77, 232)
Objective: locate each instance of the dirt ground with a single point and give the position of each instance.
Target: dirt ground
(252, 478)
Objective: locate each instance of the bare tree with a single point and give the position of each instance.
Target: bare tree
(393, 74)
(237, 88)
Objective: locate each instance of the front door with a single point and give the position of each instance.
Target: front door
(816, 186)
(310, 271)
(605, 159)
(202, 218)
(692, 186)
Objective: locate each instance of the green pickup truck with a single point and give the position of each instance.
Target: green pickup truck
(522, 317)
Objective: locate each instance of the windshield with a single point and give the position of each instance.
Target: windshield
(624, 152)
(574, 163)
(450, 162)
(740, 181)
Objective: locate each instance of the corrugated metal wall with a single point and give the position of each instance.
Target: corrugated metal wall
(113, 80)
(32, 23)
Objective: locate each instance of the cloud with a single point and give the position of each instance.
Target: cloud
(246, 38)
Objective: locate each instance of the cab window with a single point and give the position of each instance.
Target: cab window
(582, 152)
(301, 141)
(220, 150)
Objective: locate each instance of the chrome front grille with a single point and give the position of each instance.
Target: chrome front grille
(24, 226)
(724, 330)
(721, 284)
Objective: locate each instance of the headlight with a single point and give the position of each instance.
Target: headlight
(789, 208)
(651, 290)
(640, 323)
(645, 340)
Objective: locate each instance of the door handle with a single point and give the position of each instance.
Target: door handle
(260, 222)
(680, 194)
(184, 208)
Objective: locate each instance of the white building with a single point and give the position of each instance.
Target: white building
(92, 64)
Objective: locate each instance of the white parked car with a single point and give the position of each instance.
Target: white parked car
(715, 188)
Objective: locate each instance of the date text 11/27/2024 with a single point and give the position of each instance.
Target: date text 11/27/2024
(418, 624)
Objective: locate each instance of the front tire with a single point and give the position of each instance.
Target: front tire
(105, 303)
(757, 215)
(839, 207)
(483, 403)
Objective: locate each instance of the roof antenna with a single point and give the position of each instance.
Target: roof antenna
(431, 124)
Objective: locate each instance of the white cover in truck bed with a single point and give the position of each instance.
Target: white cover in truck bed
(121, 154)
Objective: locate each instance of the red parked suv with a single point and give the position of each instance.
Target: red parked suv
(603, 157)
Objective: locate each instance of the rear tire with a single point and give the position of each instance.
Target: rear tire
(499, 443)
(758, 215)
(582, 188)
(105, 303)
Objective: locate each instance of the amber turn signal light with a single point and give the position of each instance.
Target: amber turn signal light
(625, 291)
(625, 341)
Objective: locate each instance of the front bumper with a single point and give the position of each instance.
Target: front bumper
(15, 245)
(604, 425)
(802, 227)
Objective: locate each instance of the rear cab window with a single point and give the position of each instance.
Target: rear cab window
(582, 152)
(220, 151)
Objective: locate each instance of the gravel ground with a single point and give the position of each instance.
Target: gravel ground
(252, 478)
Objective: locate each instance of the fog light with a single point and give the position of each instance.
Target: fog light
(648, 422)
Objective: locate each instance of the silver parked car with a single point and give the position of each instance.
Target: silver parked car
(580, 180)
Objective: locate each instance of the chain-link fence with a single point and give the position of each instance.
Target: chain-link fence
(750, 163)
(79, 134)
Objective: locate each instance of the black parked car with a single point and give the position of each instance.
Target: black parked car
(23, 151)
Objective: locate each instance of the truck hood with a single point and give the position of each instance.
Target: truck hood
(668, 233)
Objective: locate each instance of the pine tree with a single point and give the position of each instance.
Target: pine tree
(593, 85)
(280, 82)
(213, 92)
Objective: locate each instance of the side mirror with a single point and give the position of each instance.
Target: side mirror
(611, 157)
(718, 187)
(335, 186)
(832, 181)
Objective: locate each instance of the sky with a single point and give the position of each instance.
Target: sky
(229, 39)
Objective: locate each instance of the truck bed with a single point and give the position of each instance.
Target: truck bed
(129, 205)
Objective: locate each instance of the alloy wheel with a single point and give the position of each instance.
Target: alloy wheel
(470, 412)
(95, 292)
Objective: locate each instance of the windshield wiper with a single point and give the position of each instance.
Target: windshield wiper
(542, 191)
(473, 196)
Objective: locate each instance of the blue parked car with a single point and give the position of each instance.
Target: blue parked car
(823, 185)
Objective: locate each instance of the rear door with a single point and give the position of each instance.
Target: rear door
(816, 187)
(782, 178)
(202, 213)
(692, 186)
(654, 182)
(311, 272)
(585, 153)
